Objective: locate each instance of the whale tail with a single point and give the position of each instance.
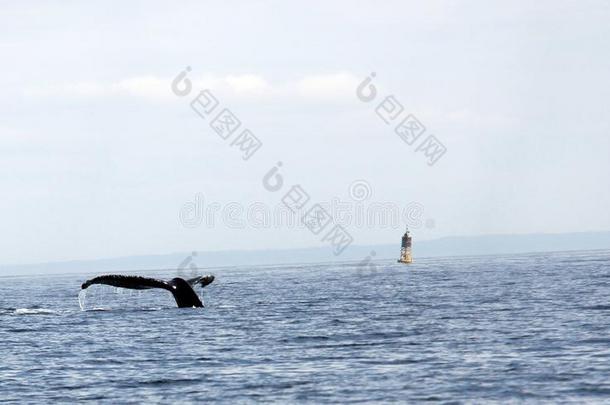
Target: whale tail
(184, 294)
(201, 280)
(181, 289)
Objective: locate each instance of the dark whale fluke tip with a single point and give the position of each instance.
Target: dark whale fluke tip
(201, 280)
(181, 289)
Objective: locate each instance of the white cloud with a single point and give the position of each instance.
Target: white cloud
(148, 87)
(328, 87)
(68, 90)
(247, 84)
(473, 118)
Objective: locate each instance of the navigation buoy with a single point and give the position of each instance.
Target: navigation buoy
(405, 248)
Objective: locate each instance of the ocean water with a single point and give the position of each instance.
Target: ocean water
(520, 328)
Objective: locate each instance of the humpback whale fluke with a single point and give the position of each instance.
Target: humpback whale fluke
(181, 289)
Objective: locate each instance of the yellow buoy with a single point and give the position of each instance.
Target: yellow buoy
(405, 249)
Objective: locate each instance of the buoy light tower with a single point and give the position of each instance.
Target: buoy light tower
(405, 248)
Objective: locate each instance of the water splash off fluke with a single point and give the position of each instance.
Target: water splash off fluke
(82, 299)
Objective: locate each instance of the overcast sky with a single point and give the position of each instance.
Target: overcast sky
(98, 156)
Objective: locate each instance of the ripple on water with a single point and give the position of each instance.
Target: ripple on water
(475, 330)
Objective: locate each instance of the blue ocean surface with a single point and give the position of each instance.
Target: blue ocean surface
(518, 328)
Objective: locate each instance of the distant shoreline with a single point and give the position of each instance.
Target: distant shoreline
(456, 246)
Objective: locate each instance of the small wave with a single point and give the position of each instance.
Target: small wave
(34, 311)
(600, 307)
(306, 338)
(170, 381)
(113, 309)
(397, 362)
(604, 341)
(96, 309)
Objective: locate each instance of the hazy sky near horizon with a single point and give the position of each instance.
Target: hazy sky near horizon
(98, 156)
